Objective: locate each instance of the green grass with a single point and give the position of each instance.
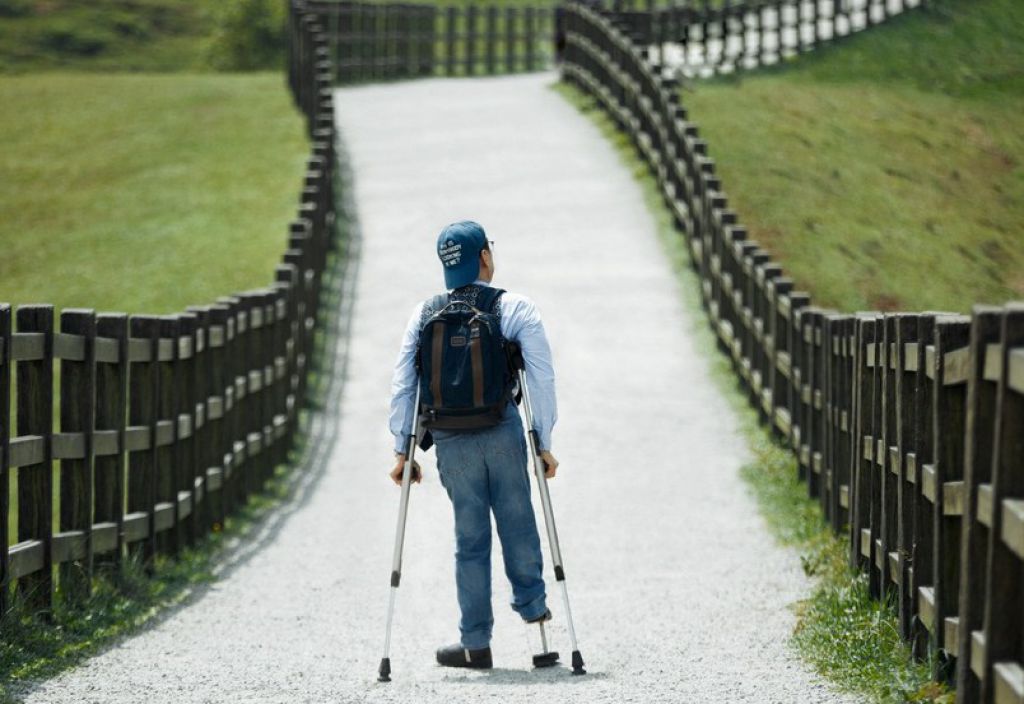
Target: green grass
(885, 172)
(157, 35)
(134, 35)
(144, 193)
(841, 632)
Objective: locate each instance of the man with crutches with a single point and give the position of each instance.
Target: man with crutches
(464, 356)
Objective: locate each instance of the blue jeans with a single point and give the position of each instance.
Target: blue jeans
(485, 471)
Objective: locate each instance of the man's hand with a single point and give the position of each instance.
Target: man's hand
(550, 464)
(396, 473)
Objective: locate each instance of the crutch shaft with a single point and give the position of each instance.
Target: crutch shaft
(384, 672)
(549, 521)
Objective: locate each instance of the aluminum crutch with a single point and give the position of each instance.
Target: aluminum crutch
(549, 516)
(384, 671)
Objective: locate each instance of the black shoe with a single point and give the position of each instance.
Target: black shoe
(546, 616)
(457, 656)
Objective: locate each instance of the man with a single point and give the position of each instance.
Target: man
(485, 470)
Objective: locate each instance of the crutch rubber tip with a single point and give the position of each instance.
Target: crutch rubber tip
(577, 663)
(545, 659)
(384, 672)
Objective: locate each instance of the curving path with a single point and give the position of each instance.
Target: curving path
(678, 591)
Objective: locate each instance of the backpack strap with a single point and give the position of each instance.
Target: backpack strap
(489, 299)
(439, 301)
(432, 306)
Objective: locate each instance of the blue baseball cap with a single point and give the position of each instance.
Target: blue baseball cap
(458, 247)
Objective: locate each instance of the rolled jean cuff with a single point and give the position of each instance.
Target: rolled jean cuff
(534, 609)
(475, 641)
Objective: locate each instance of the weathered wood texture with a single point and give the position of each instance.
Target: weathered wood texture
(907, 427)
(387, 41)
(166, 424)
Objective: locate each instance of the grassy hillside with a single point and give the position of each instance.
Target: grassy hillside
(104, 34)
(141, 35)
(144, 193)
(886, 172)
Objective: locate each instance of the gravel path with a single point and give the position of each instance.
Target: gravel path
(679, 593)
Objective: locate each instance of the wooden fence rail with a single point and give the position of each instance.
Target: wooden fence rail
(381, 41)
(907, 427)
(166, 424)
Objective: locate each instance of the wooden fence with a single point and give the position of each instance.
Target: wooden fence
(699, 39)
(907, 427)
(166, 424)
(383, 41)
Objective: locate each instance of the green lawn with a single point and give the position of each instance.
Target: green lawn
(885, 172)
(150, 35)
(144, 193)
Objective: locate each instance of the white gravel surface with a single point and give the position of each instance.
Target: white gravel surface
(679, 593)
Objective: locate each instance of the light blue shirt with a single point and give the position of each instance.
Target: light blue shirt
(520, 322)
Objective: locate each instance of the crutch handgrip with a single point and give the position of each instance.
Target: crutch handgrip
(515, 356)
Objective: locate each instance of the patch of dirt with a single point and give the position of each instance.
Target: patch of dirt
(885, 302)
(994, 250)
(1017, 285)
(768, 237)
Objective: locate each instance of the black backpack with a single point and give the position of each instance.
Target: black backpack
(463, 362)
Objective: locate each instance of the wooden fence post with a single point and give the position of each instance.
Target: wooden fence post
(279, 400)
(190, 490)
(1000, 639)
(203, 447)
(240, 350)
(217, 417)
(35, 476)
(428, 40)
(902, 460)
(451, 15)
(922, 575)
(470, 39)
(942, 482)
(233, 449)
(886, 540)
(109, 446)
(167, 513)
(77, 352)
(530, 30)
(813, 338)
(491, 39)
(287, 276)
(861, 538)
(511, 13)
(842, 420)
(982, 411)
(5, 439)
(141, 440)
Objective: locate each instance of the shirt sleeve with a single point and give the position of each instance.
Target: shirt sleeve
(521, 323)
(403, 385)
